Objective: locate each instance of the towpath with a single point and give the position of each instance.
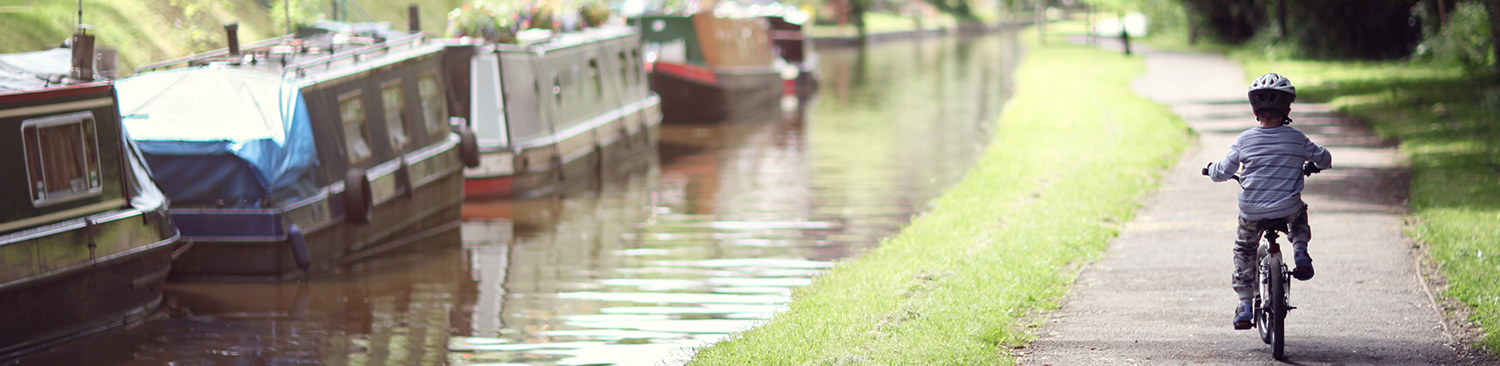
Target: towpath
(1161, 296)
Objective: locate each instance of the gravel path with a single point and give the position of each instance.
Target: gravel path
(1161, 294)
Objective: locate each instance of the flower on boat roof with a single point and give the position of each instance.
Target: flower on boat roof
(500, 22)
(480, 19)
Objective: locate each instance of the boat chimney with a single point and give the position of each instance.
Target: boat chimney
(83, 56)
(107, 62)
(232, 30)
(413, 19)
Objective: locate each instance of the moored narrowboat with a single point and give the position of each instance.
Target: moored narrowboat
(709, 68)
(301, 151)
(85, 240)
(794, 47)
(553, 111)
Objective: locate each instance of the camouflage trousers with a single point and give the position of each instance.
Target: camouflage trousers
(1247, 245)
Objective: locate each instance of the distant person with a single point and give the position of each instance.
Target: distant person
(1274, 157)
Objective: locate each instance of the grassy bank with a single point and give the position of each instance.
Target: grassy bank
(147, 31)
(1445, 119)
(1074, 152)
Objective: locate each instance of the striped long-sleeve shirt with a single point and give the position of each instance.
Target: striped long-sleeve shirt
(1272, 177)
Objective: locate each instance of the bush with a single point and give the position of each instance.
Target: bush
(1463, 40)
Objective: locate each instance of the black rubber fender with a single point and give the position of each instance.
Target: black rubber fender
(298, 243)
(358, 201)
(468, 148)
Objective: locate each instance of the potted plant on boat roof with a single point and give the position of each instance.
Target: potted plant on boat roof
(594, 12)
(491, 22)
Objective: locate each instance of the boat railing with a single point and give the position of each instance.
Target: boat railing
(357, 55)
(269, 48)
(221, 54)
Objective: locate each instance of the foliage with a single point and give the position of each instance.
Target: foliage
(197, 23)
(303, 12)
(1464, 40)
(955, 285)
(1359, 29)
(1443, 115)
(1228, 21)
(1165, 15)
(594, 12)
(501, 22)
(959, 8)
(480, 19)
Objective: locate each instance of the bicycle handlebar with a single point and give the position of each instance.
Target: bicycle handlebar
(1235, 177)
(1308, 169)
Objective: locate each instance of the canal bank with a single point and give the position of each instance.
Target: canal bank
(1073, 154)
(634, 267)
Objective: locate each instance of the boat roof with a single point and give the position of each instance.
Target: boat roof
(553, 41)
(323, 51)
(29, 71)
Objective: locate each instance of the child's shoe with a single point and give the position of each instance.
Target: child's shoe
(1304, 269)
(1243, 317)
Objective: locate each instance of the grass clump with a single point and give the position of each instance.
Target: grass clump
(1073, 154)
(1445, 118)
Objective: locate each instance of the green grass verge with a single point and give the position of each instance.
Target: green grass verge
(1445, 119)
(1074, 153)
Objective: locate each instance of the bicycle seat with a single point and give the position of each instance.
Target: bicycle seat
(1272, 224)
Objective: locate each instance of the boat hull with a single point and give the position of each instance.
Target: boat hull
(536, 173)
(91, 296)
(258, 245)
(732, 97)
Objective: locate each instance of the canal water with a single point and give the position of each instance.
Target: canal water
(638, 266)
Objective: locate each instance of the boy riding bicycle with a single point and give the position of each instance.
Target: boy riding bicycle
(1274, 157)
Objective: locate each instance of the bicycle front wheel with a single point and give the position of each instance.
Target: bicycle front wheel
(1276, 315)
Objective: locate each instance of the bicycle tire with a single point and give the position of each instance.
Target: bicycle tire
(1260, 306)
(1277, 314)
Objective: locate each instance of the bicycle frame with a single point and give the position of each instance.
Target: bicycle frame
(1273, 289)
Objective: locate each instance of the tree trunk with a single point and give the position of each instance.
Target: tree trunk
(1281, 19)
(1442, 13)
(1192, 25)
(1492, 7)
(1041, 23)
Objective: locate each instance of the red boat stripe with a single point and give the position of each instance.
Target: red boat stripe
(690, 72)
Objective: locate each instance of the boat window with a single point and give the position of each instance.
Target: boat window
(62, 157)
(624, 68)
(635, 58)
(352, 112)
(598, 78)
(434, 111)
(394, 102)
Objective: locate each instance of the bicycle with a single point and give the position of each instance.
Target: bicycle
(1273, 279)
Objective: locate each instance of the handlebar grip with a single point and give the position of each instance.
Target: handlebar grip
(1308, 169)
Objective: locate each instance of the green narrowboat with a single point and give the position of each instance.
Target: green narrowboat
(710, 68)
(85, 240)
(298, 152)
(554, 110)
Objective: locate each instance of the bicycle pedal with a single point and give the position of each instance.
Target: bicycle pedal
(1291, 308)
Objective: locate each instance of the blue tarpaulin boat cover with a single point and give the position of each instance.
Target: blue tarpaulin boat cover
(219, 135)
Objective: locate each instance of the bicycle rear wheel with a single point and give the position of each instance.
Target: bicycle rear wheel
(1276, 315)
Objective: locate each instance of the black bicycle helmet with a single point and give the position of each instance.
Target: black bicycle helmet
(1272, 92)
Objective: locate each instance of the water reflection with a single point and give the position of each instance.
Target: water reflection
(736, 215)
(636, 267)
